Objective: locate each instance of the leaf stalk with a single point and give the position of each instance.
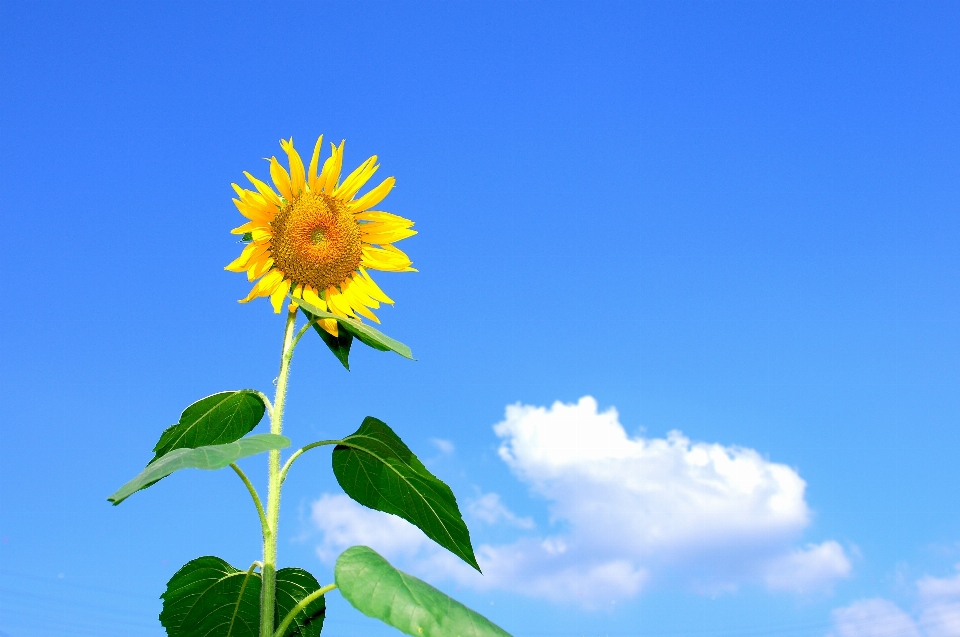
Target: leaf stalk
(256, 498)
(306, 601)
(299, 452)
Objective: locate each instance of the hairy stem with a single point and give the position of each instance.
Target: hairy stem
(269, 570)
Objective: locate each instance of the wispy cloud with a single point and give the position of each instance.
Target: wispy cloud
(937, 613)
(489, 509)
(444, 446)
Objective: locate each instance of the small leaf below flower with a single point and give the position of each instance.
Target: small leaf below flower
(363, 332)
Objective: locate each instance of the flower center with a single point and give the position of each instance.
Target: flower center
(315, 241)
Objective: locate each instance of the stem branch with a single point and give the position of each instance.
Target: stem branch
(256, 498)
(306, 601)
(300, 452)
(303, 330)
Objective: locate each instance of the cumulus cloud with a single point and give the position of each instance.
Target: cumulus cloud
(655, 494)
(627, 510)
(937, 613)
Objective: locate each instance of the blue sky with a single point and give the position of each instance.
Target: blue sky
(738, 221)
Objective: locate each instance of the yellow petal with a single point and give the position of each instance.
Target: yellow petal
(259, 266)
(355, 180)
(297, 176)
(330, 176)
(373, 197)
(386, 236)
(388, 218)
(238, 264)
(314, 162)
(253, 213)
(363, 311)
(356, 293)
(386, 258)
(359, 301)
(249, 297)
(372, 288)
(265, 286)
(311, 297)
(256, 206)
(265, 191)
(250, 226)
(280, 179)
(261, 235)
(337, 304)
(280, 293)
(329, 326)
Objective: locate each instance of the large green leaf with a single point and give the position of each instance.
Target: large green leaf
(408, 604)
(209, 457)
(213, 420)
(363, 332)
(339, 344)
(210, 598)
(377, 470)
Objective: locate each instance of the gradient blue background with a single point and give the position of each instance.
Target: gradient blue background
(735, 219)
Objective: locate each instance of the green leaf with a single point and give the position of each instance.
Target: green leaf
(339, 344)
(209, 457)
(377, 470)
(214, 420)
(293, 584)
(210, 597)
(408, 604)
(364, 333)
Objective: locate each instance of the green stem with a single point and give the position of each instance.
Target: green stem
(256, 497)
(303, 330)
(269, 570)
(266, 401)
(300, 452)
(306, 601)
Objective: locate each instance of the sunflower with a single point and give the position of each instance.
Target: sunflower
(311, 237)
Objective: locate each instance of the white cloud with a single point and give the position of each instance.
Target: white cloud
(624, 511)
(654, 495)
(805, 570)
(937, 613)
(345, 523)
(488, 508)
(873, 618)
(940, 605)
(444, 446)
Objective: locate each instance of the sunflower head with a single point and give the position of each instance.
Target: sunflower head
(310, 235)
